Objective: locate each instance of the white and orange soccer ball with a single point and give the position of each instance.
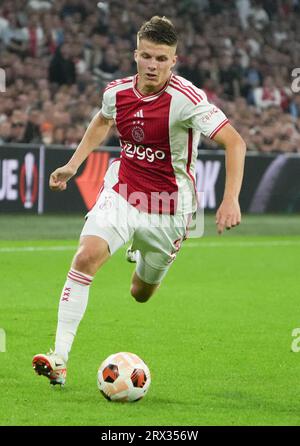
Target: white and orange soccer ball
(123, 377)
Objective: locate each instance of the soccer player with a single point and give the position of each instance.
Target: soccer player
(159, 117)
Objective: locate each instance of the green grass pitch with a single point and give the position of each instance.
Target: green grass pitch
(217, 336)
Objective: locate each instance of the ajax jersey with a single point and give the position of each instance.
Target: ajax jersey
(159, 136)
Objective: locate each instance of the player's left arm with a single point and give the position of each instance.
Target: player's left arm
(229, 214)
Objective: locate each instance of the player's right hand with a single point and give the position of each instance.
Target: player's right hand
(59, 178)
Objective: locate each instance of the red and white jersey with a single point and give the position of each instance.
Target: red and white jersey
(159, 137)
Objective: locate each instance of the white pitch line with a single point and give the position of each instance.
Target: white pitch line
(246, 244)
(243, 244)
(37, 248)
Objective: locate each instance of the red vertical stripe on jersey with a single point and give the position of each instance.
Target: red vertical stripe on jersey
(190, 152)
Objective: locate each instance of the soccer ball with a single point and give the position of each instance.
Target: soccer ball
(123, 377)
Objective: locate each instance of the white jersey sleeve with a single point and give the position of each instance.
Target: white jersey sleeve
(108, 108)
(205, 117)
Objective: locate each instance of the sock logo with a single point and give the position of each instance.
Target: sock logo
(66, 294)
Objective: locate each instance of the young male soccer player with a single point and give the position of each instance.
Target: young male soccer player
(159, 117)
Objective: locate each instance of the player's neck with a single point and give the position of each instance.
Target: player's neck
(147, 90)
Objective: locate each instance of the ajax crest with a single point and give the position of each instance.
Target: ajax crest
(138, 133)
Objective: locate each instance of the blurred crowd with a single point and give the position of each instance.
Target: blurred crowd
(58, 56)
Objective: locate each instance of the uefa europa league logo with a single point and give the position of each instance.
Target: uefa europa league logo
(28, 181)
(29, 168)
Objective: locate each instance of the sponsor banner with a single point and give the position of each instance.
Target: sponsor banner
(272, 184)
(82, 191)
(19, 179)
(271, 181)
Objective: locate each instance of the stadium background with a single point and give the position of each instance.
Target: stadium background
(229, 302)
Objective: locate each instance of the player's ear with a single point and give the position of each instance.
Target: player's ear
(135, 55)
(174, 61)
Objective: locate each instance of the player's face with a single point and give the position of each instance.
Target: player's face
(154, 63)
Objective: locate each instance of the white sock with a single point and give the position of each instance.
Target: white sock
(72, 306)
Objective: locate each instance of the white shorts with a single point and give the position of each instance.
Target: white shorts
(156, 237)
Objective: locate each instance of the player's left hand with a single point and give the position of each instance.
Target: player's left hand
(228, 215)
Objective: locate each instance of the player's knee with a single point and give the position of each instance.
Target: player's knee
(85, 259)
(139, 294)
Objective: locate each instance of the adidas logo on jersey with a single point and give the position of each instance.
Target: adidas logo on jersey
(139, 114)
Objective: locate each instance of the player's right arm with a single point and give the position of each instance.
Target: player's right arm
(94, 136)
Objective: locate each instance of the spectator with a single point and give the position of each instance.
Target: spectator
(32, 132)
(4, 23)
(189, 69)
(268, 95)
(229, 77)
(34, 35)
(62, 67)
(47, 132)
(294, 106)
(109, 64)
(18, 125)
(258, 15)
(5, 132)
(73, 7)
(59, 135)
(14, 37)
(244, 10)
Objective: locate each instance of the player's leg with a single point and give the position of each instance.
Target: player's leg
(140, 290)
(105, 231)
(93, 251)
(107, 228)
(100, 238)
(151, 268)
(155, 245)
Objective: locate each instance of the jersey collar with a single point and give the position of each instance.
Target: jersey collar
(150, 97)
